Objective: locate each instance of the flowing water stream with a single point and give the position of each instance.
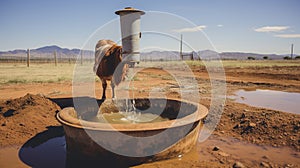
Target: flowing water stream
(130, 114)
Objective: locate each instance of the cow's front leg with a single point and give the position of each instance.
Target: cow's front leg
(104, 86)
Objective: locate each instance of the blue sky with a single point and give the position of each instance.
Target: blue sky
(261, 26)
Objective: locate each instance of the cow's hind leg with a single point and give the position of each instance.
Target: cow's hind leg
(112, 89)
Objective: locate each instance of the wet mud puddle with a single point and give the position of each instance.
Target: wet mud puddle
(276, 100)
(52, 153)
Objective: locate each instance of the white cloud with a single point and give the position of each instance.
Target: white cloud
(288, 35)
(220, 25)
(271, 29)
(192, 29)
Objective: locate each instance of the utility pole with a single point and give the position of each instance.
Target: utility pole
(181, 57)
(292, 51)
(28, 57)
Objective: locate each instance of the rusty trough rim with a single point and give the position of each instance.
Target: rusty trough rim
(64, 116)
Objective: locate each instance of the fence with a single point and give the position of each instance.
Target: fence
(54, 58)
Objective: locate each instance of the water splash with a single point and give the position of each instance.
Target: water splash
(131, 114)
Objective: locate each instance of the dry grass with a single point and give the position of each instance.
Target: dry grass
(36, 73)
(248, 63)
(13, 73)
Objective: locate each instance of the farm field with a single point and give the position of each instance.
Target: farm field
(30, 98)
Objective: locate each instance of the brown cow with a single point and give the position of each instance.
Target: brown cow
(109, 65)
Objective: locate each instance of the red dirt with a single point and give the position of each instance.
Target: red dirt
(24, 117)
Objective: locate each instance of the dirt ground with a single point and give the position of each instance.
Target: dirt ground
(245, 136)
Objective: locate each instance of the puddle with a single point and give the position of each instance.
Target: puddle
(230, 149)
(276, 100)
(245, 151)
(52, 153)
(45, 149)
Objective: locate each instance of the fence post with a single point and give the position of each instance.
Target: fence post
(81, 59)
(180, 52)
(55, 58)
(28, 57)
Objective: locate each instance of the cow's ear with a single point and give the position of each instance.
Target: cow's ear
(110, 51)
(107, 53)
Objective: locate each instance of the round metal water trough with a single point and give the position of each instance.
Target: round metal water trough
(145, 142)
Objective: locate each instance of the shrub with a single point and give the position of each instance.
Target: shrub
(17, 81)
(251, 58)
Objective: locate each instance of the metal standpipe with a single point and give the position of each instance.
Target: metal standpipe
(130, 30)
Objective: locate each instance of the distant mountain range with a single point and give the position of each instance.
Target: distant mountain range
(47, 53)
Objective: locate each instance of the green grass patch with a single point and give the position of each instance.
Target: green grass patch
(135, 78)
(167, 77)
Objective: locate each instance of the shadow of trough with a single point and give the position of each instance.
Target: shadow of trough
(48, 149)
(79, 103)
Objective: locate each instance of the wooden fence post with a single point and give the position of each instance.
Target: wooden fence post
(81, 59)
(28, 57)
(55, 58)
(180, 52)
